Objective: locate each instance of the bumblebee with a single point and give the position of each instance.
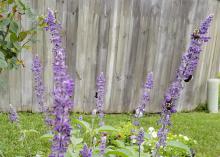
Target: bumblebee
(189, 78)
(169, 104)
(195, 34)
(96, 95)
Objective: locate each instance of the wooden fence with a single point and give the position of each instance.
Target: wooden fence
(125, 39)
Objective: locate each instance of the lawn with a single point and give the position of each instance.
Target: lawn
(201, 126)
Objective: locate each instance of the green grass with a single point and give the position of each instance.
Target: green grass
(203, 127)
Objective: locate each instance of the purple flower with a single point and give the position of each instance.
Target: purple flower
(190, 58)
(145, 96)
(149, 81)
(102, 145)
(136, 123)
(86, 152)
(13, 116)
(100, 97)
(62, 91)
(39, 86)
(80, 118)
(184, 74)
(140, 136)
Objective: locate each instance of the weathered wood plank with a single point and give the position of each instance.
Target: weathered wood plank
(26, 77)
(4, 91)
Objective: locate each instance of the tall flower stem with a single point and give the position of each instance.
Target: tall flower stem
(144, 99)
(62, 91)
(100, 97)
(37, 70)
(184, 74)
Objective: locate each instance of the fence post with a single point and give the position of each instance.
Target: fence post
(213, 94)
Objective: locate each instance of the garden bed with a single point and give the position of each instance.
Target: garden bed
(202, 127)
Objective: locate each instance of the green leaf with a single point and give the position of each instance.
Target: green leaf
(83, 124)
(119, 152)
(3, 63)
(106, 128)
(10, 1)
(31, 131)
(4, 22)
(180, 145)
(2, 56)
(118, 143)
(13, 27)
(22, 36)
(13, 37)
(1, 154)
(76, 141)
(17, 46)
(71, 154)
(21, 6)
(46, 137)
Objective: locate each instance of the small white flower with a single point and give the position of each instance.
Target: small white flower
(180, 135)
(186, 138)
(154, 134)
(94, 112)
(151, 129)
(138, 113)
(133, 139)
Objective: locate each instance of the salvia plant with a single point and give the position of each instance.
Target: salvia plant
(129, 140)
(184, 74)
(13, 116)
(39, 89)
(38, 79)
(86, 152)
(145, 99)
(100, 97)
(62, 92)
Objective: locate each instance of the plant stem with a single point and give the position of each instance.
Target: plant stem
(139, 149)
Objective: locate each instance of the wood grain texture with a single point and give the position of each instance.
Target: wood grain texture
(125, 39)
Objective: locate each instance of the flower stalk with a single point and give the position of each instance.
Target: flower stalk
(62, 91)
(184, 74)
(100, 97)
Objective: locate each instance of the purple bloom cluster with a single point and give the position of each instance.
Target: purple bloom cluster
(184, 74)
(62, 92)
(13, 116)
(100, 97)
(86, 152)
(102, 145)
(80, 118)
(190, 58)
(140, 136)
(145, 97)
(39, 86)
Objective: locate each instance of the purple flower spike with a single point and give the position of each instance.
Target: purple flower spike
(86, 152)
(149, 81)
(62, 92)
(37, 70)
(140, 136)
(145, 96)
(100, 97)
(13, 116)
(39, 86)
(102, 145)
(184, 74)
